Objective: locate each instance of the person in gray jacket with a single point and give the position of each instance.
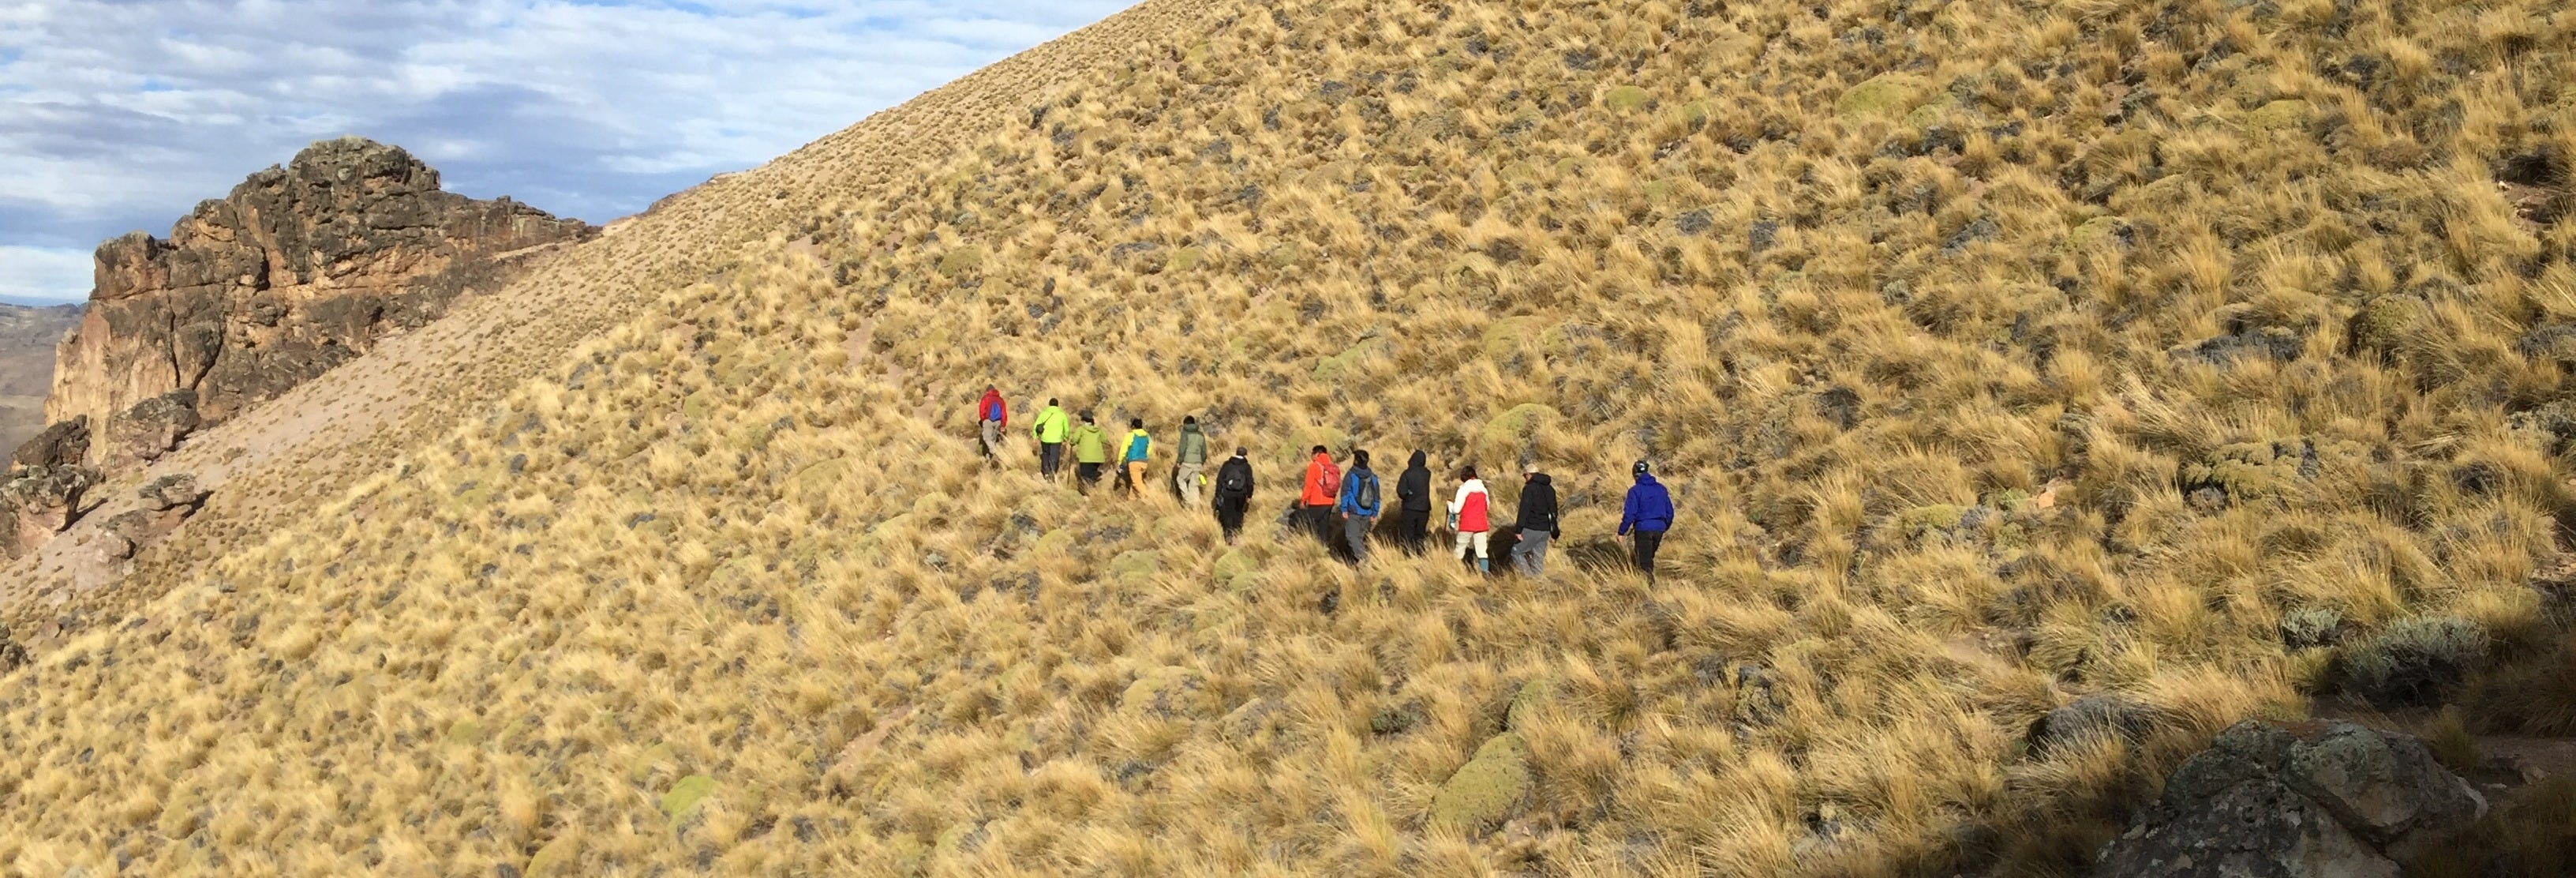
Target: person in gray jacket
(1185, 476)
(1537, 523)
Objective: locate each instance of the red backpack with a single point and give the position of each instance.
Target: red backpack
(1332, 480)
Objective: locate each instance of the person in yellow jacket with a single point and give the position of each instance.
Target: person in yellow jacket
(1133, 454)
(1090, 451)
(1049, 431)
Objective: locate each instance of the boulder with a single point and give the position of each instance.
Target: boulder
(62, 444)
(2299, 800)
(1488, 789)
(151, 428)
(38, 503)
(174, 491)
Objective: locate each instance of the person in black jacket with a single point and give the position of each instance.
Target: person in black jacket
(1413, 510)
(1537, 523)
(1233, 493)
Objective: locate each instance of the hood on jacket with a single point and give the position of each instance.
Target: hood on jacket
(1418, 461)
(1538, 479)
(1647, 479)
(1189, 429)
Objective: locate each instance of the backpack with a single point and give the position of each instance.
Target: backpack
(1368, 493)
(1332, 479)
(1235, 482)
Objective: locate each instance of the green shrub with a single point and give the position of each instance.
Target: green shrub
(2415, 663)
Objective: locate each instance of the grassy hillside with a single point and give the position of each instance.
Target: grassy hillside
(2211, 355)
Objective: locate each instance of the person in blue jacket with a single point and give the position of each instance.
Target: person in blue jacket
(1649, 513)
(1359, 505)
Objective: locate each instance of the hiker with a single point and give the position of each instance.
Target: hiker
(1470, 514)
(1359, 505)
(1233, 493)
(1090, 451)
(1323, 487)
(1134, 452)
(1537, 521)
(1648, 514)
(1413, 505)
(1049, 432)
(1193, 458)
(991, 416)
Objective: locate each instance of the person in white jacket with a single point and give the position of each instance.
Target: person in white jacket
(1471, 515)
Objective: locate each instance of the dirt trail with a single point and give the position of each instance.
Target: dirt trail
(283, 458)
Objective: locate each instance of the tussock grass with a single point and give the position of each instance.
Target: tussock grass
(1996, 357)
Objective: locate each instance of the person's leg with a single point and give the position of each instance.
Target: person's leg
(992, 437)
(1484, 554)
(1538, 552)
(1355, 531)
(1458, 548)
(1085, 475)
(1648, 541)
(1049, 455)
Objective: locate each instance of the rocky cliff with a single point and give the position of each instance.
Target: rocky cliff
(301, 268)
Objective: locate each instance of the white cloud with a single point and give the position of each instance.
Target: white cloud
(116, 116)
(44, 273)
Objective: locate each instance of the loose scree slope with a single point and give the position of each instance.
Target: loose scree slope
(1998, 355)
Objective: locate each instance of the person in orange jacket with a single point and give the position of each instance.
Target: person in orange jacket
(1323, 489)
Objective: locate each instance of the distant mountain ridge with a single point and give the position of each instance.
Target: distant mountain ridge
(28, 335)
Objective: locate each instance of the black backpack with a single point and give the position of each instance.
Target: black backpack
(1234, 482)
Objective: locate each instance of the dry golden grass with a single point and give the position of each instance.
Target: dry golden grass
(1997, 355)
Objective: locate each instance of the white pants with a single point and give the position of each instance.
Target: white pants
(1186, 478)
(1479, 539)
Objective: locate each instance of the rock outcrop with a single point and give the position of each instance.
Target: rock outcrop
(167, 501)
(38, 502)
(63, 444)
(301, 268)
(2304, 800)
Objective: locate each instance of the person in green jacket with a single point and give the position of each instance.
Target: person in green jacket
(1193, 458)
(1090, 453)
(1050, 430)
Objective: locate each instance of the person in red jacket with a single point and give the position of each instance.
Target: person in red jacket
(1323, 488)
(993, 416)
(1471, 515)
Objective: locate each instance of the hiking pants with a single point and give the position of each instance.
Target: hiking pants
(1319, 521)
(1412, 529)
(1186, 478)
(1086, 475)
(1135, 478)
(1479, 540)
(1229, 515)
(1648, 542)
(1355, 529)
(1531, 555)
(992, 437)
(1050, 458)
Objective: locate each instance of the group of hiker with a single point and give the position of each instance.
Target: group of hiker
(1340, 508)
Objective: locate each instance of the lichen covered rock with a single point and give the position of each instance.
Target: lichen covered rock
(1488, 789)
(2299, 800)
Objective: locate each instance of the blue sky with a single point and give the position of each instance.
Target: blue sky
(116, 116)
